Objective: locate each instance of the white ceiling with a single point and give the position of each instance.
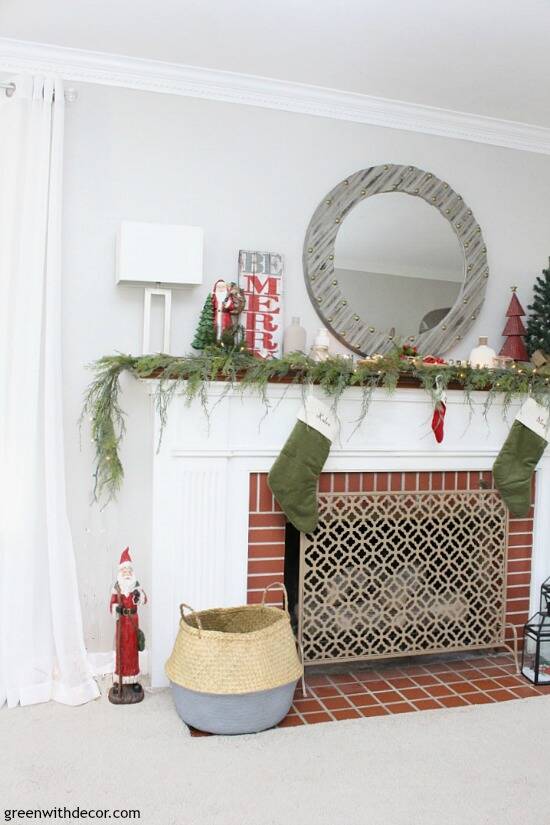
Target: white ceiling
(488, 57)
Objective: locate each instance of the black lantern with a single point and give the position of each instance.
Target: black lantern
(535, 659)
(544, 595)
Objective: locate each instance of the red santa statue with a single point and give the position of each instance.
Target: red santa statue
(222, 302)
(126, 596)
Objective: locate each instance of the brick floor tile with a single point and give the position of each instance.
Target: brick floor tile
(374, 710)
(323, 691)
(453, 701)
(438, 690)
(317, 679)
(510, 681)
(313, 718)
(377, 685)
(343, 678)
(501, 695)
(307, 705)
(526, 692)
(388, 696)
(424, 679)
(493, 671)
(448, 678)
(466, 687)
(336, 703)
(290, 722)
(351, 688)
(477, 698)
(472, 674)
(485, 684)
(400, 707)
(414, 693)
(401, 682)
(363, 699)
(426, 704)
(346, 714)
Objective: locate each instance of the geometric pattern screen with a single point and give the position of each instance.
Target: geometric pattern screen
(403, 573)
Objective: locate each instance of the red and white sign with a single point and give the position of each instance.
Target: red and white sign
(261, 278)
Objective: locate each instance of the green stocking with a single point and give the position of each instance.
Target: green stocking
(293, 478)
(515, 464)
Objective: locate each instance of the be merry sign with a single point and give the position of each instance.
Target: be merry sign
(261, 278)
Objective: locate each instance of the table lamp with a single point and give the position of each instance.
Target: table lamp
(164, 256)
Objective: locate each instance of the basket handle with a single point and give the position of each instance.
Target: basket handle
(197, 617)
(279, 586)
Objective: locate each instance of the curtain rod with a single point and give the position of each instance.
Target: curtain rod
(10, 87)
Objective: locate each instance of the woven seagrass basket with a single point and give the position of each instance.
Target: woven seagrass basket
(234, 670)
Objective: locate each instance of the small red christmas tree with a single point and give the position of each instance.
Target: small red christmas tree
(514, 346)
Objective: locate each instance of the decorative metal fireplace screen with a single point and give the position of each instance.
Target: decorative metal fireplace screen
(396, 574)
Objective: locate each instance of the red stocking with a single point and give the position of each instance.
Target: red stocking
(438, 421)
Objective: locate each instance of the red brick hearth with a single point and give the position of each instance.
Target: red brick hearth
(386, 689)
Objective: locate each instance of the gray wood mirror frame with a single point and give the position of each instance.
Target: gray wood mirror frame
(341, 313)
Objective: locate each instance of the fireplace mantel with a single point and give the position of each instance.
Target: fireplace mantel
(202, 470)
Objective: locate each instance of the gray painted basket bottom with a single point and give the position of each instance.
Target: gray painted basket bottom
(233, 713)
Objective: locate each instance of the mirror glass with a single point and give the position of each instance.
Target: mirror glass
(399, 263)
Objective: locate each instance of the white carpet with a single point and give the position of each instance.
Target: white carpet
(469, 766)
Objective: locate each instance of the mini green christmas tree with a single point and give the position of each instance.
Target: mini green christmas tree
(538, 325)
(205, 336)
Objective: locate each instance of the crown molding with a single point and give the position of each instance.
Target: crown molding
(78, 65)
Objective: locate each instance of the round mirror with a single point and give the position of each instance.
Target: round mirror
(392, 267)
(399, 263)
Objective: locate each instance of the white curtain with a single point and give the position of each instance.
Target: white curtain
(42, 654)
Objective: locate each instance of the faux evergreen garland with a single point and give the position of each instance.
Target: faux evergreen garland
(190, 376)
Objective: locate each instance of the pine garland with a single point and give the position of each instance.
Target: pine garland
(191, 375)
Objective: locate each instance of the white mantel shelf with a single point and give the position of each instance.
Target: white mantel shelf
(201, 480)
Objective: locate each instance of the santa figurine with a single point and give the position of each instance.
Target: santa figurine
(222, 301)
(126, 596)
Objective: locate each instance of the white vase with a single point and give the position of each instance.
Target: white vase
(320, 349)
(294, 338)
(482, 355)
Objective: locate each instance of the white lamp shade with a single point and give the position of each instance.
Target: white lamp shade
(159, 253)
